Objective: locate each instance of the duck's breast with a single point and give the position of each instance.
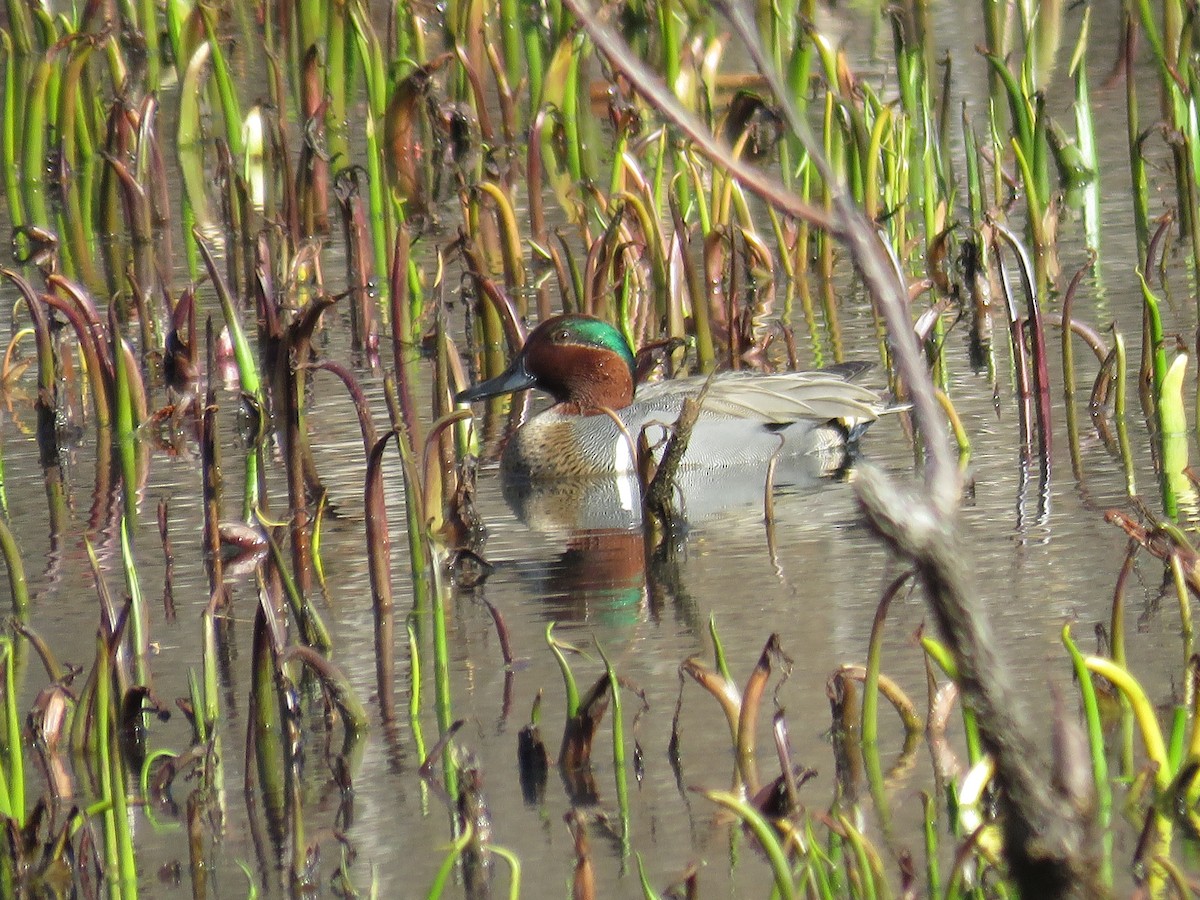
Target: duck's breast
(552, 445)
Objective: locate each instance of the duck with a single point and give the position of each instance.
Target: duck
(586, 365)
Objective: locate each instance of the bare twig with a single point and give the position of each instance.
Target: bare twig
(1046, 843)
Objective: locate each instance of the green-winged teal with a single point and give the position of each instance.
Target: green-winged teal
(586, 365)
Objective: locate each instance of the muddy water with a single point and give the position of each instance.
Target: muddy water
(1041, 555)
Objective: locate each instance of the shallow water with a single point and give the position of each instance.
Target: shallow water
(1041, 556)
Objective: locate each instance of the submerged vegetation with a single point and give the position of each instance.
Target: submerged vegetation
(201, 193)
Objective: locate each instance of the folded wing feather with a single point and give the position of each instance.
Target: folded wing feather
(772, 399)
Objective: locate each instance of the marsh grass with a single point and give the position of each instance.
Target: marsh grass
(709, 216)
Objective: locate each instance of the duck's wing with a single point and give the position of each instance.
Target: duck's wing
(770, 399)
(792, 397)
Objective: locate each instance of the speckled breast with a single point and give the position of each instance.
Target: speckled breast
(551, 446)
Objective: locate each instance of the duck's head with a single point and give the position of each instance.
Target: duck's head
(581, 361)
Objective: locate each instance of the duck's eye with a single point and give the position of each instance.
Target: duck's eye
(562, 335)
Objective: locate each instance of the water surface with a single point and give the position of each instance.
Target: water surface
(1041, 555)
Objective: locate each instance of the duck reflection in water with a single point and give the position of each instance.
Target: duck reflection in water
(609, 573)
